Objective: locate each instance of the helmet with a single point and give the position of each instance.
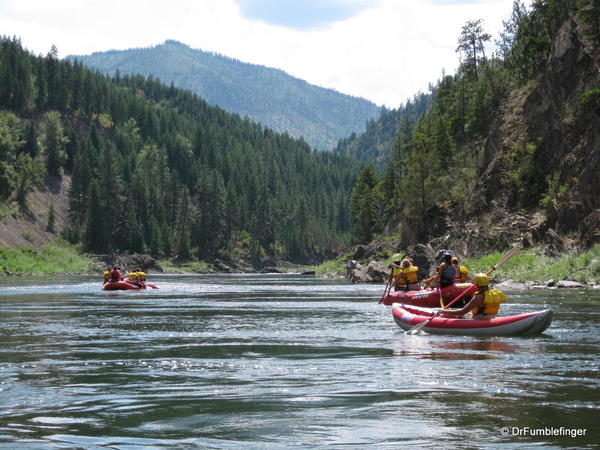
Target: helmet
(454, 260)
(481, 279)
(396, 258)
(447, 257)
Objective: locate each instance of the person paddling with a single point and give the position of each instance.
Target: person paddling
(142, 277)
(446, 272)
(115, 275)
(106, 275)
(132, 277)
(395, 272)
(461, 273)
(407, 278)
(485, 304)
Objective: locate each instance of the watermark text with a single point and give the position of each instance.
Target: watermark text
(545, 431)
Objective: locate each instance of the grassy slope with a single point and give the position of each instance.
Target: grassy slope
(533, 265)
(53, 257)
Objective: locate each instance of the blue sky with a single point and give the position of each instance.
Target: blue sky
(382, 50)
(302, 14)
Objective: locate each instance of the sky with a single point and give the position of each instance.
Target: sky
(382, 50)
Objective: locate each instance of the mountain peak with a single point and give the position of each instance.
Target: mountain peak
(270, 96)
(174, 43)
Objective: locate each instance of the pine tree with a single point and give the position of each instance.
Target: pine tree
(96, 234)
(10, 141)
(29, 174)
(183, 225)
(31, 141)
(363, 205)
(470, 44)
(54, 143)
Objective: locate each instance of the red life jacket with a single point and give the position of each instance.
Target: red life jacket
(115, 275)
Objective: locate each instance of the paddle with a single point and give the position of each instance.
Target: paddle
(504, 260)
(388, 287)
(386, 291)
(152, 285)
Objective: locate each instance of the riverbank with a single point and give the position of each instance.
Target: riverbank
(528, 268)
(61, 257)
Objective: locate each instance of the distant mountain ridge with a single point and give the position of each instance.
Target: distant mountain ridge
(270, 96)
(375, 146)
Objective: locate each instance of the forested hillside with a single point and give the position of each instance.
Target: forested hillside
(156, 169)
(375, 145)
(268, 96)
(509, 149)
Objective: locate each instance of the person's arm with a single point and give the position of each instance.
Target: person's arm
(475, 302)
(438, 276)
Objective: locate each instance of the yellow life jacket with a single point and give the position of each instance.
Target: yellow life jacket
(400, 278)
(141, 276)
(133, 276)
(491, 302)
(106, 275)
(461, 274)
(410, 274)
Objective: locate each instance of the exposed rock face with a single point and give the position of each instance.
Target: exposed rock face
(546, 114)
(590, 228)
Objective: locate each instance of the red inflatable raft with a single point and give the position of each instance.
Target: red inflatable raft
(121, 286)
(429, 298)
(529, 323)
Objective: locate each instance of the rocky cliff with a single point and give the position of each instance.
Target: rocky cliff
(548, 134)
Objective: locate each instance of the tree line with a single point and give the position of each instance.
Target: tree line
(156, 169)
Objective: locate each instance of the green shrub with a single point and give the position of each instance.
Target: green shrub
(590, 101)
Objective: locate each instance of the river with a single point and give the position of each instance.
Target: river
(272, 361)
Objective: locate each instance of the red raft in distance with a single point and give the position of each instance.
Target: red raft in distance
(430, 298)
(121, 286)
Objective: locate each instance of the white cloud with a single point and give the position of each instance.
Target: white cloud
(385, 53)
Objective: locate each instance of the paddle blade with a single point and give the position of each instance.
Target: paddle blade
(418, 326)
(152, 285)
(506, 258)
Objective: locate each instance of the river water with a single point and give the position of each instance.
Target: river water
(273, 361)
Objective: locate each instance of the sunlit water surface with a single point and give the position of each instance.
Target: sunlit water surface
(259, 361)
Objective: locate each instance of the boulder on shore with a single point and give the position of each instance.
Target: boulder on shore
(570, 284)
(378, 272)
(375, 272)
(423, 256)
(512, 285)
